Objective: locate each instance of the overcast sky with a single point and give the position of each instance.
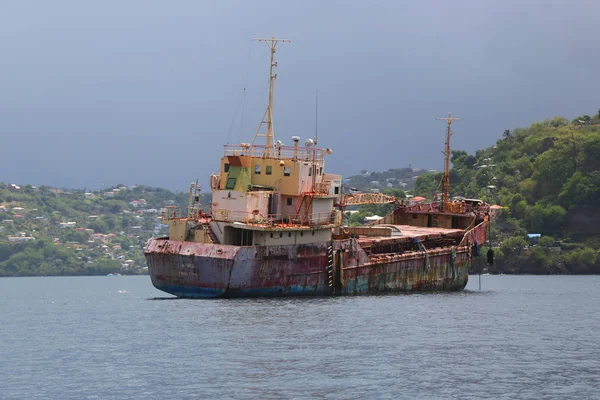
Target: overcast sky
(146, 92)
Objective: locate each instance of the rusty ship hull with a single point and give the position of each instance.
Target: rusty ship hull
(339, 267)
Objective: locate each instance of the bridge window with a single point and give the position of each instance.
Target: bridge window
(257, 169)
(336, 190)
(286, 171)
(226, 167)
(269, 170)
(230, 184)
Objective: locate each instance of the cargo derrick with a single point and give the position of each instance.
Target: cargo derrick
(366, 198)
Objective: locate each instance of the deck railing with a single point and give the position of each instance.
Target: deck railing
(456, 207)
(253, 218)
(285, 152)
(171, 212)
(323, 187)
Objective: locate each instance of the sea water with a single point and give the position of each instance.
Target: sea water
(526, 337)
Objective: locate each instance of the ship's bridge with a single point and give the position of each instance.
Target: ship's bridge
(288, 181)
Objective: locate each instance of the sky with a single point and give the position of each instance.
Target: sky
(95, 94)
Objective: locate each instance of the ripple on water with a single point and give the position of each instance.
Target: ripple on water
(96, 338)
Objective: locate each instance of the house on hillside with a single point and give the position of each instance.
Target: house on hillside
(14, 239)
(97, 236)
(23, 237)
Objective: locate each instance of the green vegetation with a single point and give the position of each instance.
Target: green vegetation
(49, 231)
(547, 178)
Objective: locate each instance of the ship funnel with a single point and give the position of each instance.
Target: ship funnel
(296, 139)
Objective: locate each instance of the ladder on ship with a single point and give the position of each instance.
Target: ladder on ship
(307, 199)
(211, 234)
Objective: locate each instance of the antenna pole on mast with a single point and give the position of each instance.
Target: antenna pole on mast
(446, 190)
(272, 43)
(317, 118)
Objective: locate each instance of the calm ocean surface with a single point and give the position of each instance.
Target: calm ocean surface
(523, 337)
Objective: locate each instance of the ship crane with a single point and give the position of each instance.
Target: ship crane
(366, 198)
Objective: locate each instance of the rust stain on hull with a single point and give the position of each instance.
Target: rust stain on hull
(340, 267)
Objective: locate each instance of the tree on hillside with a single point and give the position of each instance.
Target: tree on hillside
(426, 184)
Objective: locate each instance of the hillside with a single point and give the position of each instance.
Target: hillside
(547, 178)
(399, 178)
(50, 231)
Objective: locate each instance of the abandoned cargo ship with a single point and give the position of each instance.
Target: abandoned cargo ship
(275, 228)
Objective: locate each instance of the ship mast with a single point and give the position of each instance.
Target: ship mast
(272, 43)
(446, 190)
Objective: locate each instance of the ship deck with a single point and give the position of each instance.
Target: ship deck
(407, 233)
